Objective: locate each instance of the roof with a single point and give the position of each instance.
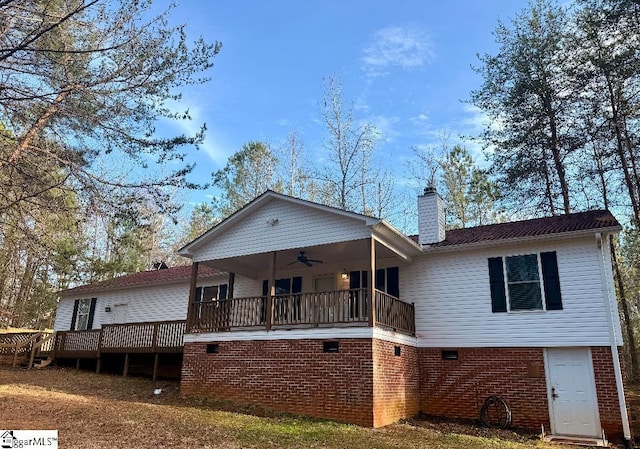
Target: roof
(592, 220)
(143, 278)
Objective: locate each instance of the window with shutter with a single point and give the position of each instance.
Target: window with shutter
(525, 282)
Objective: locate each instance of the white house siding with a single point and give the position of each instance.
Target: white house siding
(146, 303)
(297, 227)
(453, 302)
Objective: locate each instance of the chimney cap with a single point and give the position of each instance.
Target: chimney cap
(430, 189)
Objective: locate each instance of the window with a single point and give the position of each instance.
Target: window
(387, 280)
(83, 312)
(525, 282)
(286, 308)
(212, 292)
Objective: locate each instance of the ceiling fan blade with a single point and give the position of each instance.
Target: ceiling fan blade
(315, 261)
(307, 262)
(295, 261)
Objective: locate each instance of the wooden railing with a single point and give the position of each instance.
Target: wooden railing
(227, 314)
(151, 337)
(342, 307)
(20, 345)
(395, 314)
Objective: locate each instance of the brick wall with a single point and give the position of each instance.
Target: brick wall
(294, 376)
(607, 392)
(458, 388)
(396, 380)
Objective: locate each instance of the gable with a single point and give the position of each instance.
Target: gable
(279, 224)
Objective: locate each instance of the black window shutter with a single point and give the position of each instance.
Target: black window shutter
(198, 294)
(75, 314)
(393, 281)
(92, 312)
(496, 282)
(296, 284)
(265, 287)
(551, 278)
(224, 289)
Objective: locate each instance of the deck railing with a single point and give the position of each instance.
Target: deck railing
(341, 307)
(395, 314)
(151, 337)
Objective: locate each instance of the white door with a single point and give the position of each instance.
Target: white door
(120, 313)
(573, 405)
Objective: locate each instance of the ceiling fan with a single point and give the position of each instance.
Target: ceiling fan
(302, 258)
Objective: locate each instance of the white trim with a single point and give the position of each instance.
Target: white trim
(305, 334)
(609, 297)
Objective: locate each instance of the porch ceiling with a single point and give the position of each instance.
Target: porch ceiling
(341, 253)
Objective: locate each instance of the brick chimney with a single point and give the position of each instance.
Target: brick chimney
(430, 217)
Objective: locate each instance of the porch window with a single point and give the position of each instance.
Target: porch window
(284, 286)
(387, 280)
(212, 292)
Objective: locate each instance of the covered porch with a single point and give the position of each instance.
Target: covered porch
(342, 284)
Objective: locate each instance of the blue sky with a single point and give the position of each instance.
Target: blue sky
(405, 65)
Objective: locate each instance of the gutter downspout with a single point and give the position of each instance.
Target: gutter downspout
(614, 346)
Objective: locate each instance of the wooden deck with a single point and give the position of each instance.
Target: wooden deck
(135, 338)
(324, 309)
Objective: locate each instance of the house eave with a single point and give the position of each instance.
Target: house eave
(426, 249)
(71, 293)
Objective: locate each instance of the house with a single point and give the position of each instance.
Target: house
(138, 314)
(333, 314)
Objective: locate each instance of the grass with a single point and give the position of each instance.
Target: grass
(96, 411)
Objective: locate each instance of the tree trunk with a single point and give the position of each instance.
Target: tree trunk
(626, 315)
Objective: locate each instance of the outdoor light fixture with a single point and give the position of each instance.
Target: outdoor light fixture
(344, 275)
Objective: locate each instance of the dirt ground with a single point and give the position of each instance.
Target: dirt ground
(95, 411)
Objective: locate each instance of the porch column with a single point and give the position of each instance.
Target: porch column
(372, 282)
(192, 294)
(230, 283)
(272, 289)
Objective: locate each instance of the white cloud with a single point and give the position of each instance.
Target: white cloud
(407, 47)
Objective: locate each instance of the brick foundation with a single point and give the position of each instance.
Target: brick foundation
(607, 392)
(458, 388)
(366, 383)
(294, 376)
(396, 381)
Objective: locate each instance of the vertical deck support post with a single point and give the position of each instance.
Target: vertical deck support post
(231, 283)
(372, 282)
(126, 365)
(156, 361)
(272, 289)
(192, 295)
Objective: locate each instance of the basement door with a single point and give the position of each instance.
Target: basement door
(573, 404)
